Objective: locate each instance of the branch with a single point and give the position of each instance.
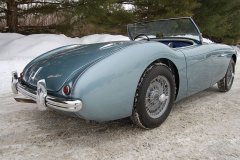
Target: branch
(125, 2)
(3, 10)
(3, 17)
(21, 2)
(5, 1)
(132, 2)
(35, 2)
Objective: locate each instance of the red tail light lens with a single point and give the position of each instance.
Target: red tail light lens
(21, 75)
(66, 90)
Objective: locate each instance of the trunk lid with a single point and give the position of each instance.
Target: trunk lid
(58, 67)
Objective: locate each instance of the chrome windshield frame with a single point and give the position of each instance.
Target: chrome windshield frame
(194, 25)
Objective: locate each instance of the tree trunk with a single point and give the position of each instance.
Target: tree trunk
(12, 16)
(149, 10)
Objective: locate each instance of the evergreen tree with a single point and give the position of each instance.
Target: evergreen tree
(160, 9)
(113, 18)
(218, 20)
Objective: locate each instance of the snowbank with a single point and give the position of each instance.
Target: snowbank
(205, 40)
(97, 38)
(14, 46)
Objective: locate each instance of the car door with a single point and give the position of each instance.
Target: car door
(221, 56)
(199, 67)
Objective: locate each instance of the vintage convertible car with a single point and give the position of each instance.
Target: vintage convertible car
(165, 61)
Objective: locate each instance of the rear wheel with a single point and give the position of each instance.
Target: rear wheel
(154, 96)
(225, 84)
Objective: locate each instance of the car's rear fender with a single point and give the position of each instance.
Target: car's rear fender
(107, 88)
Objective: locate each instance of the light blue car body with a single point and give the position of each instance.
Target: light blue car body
(104, 76)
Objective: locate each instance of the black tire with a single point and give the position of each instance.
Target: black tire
(225, 84)
(154, 97)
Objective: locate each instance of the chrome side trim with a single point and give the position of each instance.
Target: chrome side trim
(43, 100)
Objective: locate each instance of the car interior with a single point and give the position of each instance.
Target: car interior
(175, 43)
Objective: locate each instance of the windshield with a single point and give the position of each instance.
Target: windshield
(166, 28)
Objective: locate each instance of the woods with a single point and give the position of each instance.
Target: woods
(217, 19)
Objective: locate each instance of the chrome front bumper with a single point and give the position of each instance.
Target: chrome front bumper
(41, 97)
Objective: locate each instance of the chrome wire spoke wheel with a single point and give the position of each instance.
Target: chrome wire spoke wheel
(230, 74)
(157, 96)
(154, 96)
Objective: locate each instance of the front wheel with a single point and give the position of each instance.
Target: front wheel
(225, 84)
(154, 96)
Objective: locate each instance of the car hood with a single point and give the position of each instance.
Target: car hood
(58, 67)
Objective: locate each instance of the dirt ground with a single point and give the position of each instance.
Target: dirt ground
(203, 126)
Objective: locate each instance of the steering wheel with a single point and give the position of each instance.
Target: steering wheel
(141, 35)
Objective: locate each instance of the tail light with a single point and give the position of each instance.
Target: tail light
(66, 90)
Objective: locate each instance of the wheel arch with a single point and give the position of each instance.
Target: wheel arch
(234, 57)
(173, 69)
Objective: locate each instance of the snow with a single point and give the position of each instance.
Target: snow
(14, 46)
(205, 40)
(97, 38)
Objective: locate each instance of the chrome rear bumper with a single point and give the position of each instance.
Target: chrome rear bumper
(41, 97)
